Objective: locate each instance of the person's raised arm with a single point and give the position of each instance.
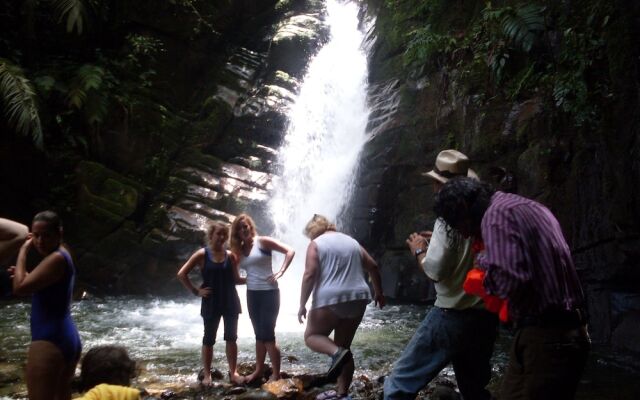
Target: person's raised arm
(311, 266)
(272, 244)
(235, 264)
(370, 265)
(12, 236)
(47, 272)
(196, 259)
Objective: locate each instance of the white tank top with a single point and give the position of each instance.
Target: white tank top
(341, 277)
(258, 267)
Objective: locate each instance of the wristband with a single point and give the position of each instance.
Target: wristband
(418, 252)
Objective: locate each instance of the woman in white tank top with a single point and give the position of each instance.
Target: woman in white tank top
(263, 295)
(334, 272)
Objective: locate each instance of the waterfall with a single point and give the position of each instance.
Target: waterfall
(324, 137)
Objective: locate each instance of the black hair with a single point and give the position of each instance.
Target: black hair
(463, 200)
(107, 364)
(52, 219)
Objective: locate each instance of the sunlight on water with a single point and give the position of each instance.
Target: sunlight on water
(325, 135)
(166, 335)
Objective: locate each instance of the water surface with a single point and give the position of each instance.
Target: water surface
(165, 335)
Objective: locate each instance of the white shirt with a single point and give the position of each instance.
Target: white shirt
(340, 276)
(447, 265)
(258, 267)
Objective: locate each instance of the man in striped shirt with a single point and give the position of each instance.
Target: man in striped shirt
(528, 263)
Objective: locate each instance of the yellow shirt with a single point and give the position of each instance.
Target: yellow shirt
(111, 392)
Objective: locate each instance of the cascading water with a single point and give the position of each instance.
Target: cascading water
(325, 135)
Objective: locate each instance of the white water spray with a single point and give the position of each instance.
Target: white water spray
(325, 136)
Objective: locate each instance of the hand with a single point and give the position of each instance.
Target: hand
(302, 313)
(379, 300)
(273, 278)
(11, 271)
(418, 241)
(27, 243)
(204, 292)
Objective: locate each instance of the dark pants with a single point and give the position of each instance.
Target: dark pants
(264, 306)
(545, 363)
(211, 328)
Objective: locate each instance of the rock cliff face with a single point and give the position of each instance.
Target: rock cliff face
(590, 181)
(226, 112)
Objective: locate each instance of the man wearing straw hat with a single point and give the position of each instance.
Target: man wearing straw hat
(458, 329)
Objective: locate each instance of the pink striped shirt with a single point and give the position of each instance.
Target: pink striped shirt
(527, 258)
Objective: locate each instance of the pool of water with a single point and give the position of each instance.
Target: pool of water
(165, 335)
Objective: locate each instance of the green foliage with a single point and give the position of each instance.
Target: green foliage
(85, 93)
(516, 50)
(20, 101)
(426, 45)
(75, 13)
(521, 26)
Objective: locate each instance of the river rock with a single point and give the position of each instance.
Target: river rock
(257, 395)
(284, 388)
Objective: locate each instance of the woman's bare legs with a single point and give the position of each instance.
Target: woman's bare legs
(274, 355)
(320, 323)
(207, 358)
(232, 358)
(261, 354)
(48, 374)
(343, 336)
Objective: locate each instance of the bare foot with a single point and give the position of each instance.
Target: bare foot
(274, 378)
(206, 381)
(236, 378)
(254, 376)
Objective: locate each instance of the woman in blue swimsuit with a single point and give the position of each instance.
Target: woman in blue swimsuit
(55, 343)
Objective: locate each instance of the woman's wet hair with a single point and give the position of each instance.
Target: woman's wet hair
(107, 364)
(235, 240)
(318, 225)
(54, 223)
(213, 227)
(462, 200)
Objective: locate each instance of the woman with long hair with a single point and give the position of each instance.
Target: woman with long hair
(220, 275)
(263, 295)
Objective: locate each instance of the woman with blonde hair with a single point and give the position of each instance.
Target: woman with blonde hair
(263, 295)
(219, 269)
(334, 273)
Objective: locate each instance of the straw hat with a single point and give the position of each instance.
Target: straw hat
(450, 164)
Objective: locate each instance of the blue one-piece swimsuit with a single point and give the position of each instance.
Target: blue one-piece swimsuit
(51, 315)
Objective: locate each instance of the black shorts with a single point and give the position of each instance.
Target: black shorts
(264, 306)
(211, 329)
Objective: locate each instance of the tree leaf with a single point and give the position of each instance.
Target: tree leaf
(20, 101)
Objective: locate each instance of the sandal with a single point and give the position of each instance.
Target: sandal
(338, 360)
(327, 395)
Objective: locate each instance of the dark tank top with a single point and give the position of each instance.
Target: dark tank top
(223, 299)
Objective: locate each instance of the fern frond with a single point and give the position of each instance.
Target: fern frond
(20, 101)
(88, 77)
(523, 26)
(85, 93)
(75, 13)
